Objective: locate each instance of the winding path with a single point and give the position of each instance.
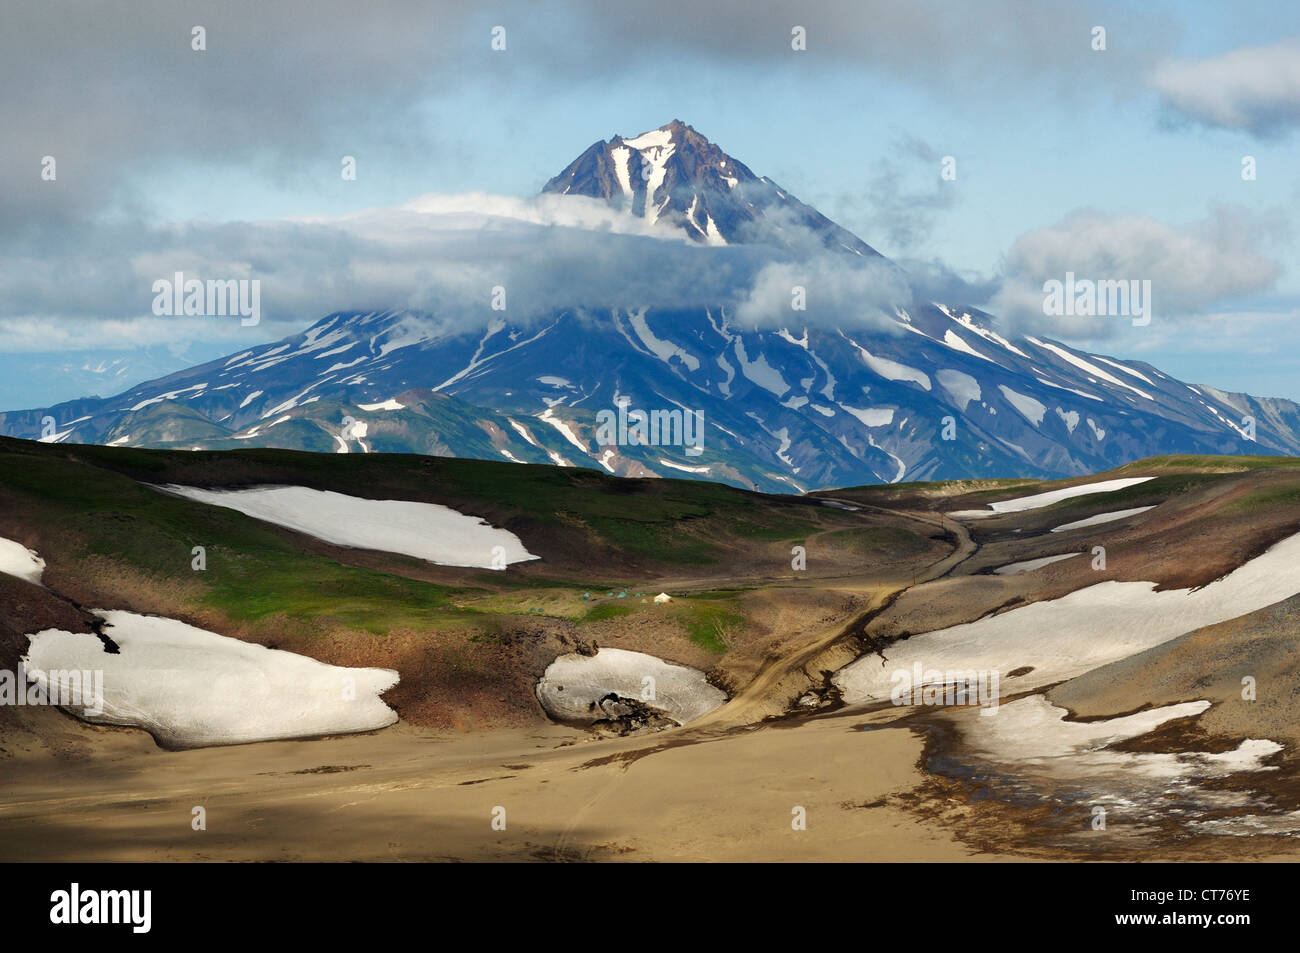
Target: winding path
(756, 699)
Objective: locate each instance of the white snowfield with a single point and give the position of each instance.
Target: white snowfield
(191, 688)
(1086, 629)
(1021, 503)
(1034, 733)
(1102, 518)
(17, 560)
(1031, 409)
(426, 531)
(1029, 565)
(573, 685)
(960, 387)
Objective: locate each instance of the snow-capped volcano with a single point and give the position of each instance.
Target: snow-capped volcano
(925, 390)
(674, 174)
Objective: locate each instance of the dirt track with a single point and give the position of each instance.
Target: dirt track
(783, 677)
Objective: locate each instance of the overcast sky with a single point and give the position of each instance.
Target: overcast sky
(1122, 161)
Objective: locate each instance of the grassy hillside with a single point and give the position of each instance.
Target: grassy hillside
(461, 636)
(470, 643)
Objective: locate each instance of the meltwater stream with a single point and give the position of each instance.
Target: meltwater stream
(1065, 773)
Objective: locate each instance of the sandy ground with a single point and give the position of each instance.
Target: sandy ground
(412, 794)
(722, 789)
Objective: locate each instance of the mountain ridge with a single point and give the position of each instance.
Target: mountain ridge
(674, 173)
(927, 391)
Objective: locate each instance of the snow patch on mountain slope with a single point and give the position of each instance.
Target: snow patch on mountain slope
(257, 359)
(170, 395)
(664, 350)
(1031, 409)
(955, 341)
(871, 416)
(1038, 500)
(656, 148)
(1043, 380)
(408, 333)
(17, 560)
(428, 531)
(967, 322)
(336, 350)
(313, 343)
(902, 467)
(961, 387)
(1037, 734)
(725, 386)
(1029, 565)
(711, 232)
(620, 155)
(684, 468)
(345, 365)
(1088, 628)
(690, 216)
(654, 139)
(784, 436)
(567, 431)
(1101, 518)
(292, 402)
(574, 687)
(1087, 367)
(477, 360)
(1127, 370)
(524, 432)
(389, 404)
(828, 389)
(759, 370)
(890, 370)
(191, 688)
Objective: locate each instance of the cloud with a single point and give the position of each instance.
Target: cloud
(444, 254)
(837, 292)
(960, 50)
(934, 280)
(1253, 89)
(116, 94)
(1192, 268)
(904, 197)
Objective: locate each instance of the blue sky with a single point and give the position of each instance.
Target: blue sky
(1041, 127)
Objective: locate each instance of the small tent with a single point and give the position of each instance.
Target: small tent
(663, 597)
